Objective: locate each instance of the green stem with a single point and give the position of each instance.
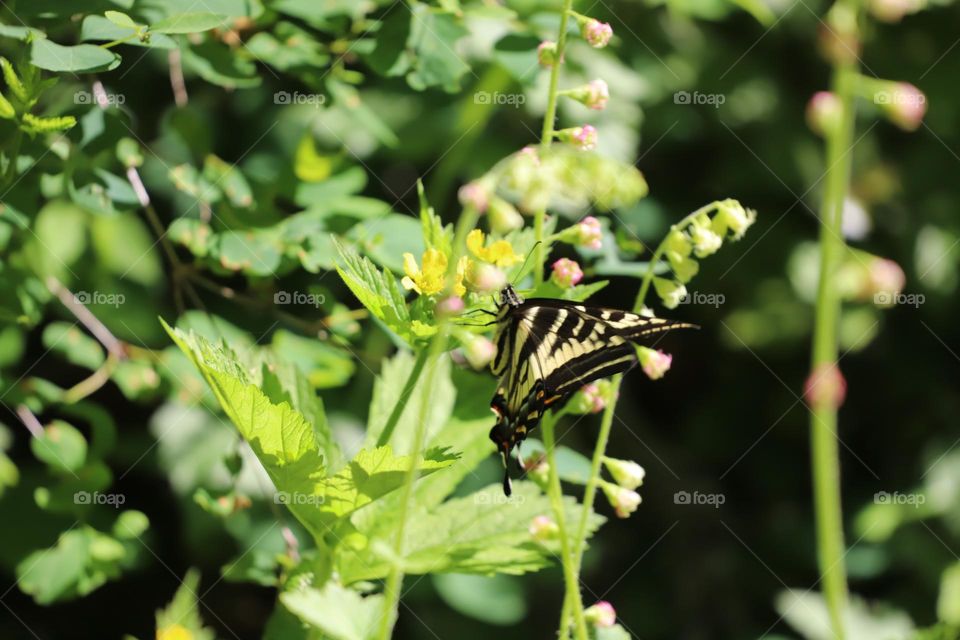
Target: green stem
(546, 137)
(12, 159)
(404, 398)
(395, 578)
(825, 458)
(555, 493)
(438, 345)
(658, 253)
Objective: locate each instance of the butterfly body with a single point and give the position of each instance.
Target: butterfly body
(548, 349)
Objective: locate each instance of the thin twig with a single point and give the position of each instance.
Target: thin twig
(87, 319)
(30, 421)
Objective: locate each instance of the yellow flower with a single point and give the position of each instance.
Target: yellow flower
(432, 278)
(500, 252)
(174, 632)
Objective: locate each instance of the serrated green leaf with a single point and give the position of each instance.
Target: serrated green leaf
(483, 533)
(35, 124)
(7, 112)
(377, 290)
(184, 612)
(435, 234)
(337, 612)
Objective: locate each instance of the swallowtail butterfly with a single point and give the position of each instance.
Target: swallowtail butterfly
(548, 349)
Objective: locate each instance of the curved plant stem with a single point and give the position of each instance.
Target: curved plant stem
(823, 412)
(546, 137)
(395, 579)
(404, 398)
(606, 423)
(436, 349)
(570, 573)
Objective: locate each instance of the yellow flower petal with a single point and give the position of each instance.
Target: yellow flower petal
(501, 254)
(408, 284)
(174, 632)
(475, 242)
(410, 266)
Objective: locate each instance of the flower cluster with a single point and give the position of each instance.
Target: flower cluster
(699, 237)
(622, 495)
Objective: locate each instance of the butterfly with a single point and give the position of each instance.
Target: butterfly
(548, 349)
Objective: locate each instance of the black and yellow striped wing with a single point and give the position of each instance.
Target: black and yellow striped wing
(548, 349)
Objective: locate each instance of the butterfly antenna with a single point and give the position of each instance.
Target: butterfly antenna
(526, 260)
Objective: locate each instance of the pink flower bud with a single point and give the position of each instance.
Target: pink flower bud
(547, 54)
(594, 94)
(593, 397)
(485, 278)
(624, 501)
(904, 105)
(601, 614)
(596, 33)
(654, 363)
(543, 529)
(585, 137)
(473, 194)
(824, 112)
(886, 281)
(893, 10)
(479, 352)
(450, 306)
(566, 273)
(591, 233)
(825, 386)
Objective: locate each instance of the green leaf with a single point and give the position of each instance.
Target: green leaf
(483, 533)
(194, 22)
(948, 602)
(121, 19)
(390, 56)
(288, 447)
(324, 366)
(377, 290)
(386, 239)
(99, 29)
(433, 39)
(7, 112)
(229, 180)
(81, 58)
(497, 600)
(68, 340)
(82, 560)
(435, 235)
(280, 437)
(62, 447)
(35, 124)
(218, 64)
(184, 611)
(386, 393)
(338, 613)
(256, 251)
